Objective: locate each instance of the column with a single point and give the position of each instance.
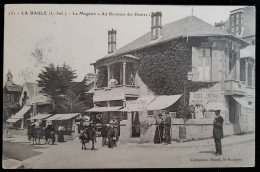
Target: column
(237, 64)
(95, 78)
(108, 74)
(108, 104)
(95, 104)
(124, 67)
(22, 124)
(246, 70)
(253, 75)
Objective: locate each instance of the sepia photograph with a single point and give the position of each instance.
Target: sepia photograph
(128, 86)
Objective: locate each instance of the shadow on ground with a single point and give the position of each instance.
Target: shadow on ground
(19, 150)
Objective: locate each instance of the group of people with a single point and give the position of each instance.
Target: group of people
(110, 133)
(48, 132)
(163, 129)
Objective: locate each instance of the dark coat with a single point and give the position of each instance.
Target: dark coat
(218, 127)
(110, 132)
(167, 123)
(104, 130)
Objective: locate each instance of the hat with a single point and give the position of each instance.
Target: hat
(86, 118)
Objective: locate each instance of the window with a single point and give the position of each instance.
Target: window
(204, 64)
(232, 64)
(12, 97)
(236, 23)
(7, 97)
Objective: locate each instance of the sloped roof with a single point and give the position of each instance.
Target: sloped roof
(189, 26)
(9, 73)
(14, 88)
(30, 87)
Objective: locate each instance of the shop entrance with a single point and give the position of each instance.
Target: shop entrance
(135, 124)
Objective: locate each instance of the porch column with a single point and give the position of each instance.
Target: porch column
(108, 104)
(237, 65)
(124, 67)
(22, 123)
(108, 74)
(246, 70)
(253, 75)
(95, 104)
(95, 80)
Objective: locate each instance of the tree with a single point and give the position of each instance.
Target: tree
(56, 81)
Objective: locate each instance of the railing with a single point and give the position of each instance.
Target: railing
(234, 87)
(115, 93)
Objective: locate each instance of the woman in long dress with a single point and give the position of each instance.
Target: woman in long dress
(158, 136)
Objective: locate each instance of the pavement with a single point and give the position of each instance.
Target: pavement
(141, 155)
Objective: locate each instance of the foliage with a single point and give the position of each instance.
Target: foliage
(164, 70)
(57, 82)
(101, 76)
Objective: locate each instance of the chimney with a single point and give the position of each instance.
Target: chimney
(111, 41)
(156, 22)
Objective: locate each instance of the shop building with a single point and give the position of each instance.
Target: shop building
(215, 58)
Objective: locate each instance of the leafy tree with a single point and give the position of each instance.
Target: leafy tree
(57, 82)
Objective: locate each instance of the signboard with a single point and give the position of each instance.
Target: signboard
(108, 96)
(204, 98)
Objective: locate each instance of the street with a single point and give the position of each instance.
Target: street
(237, 151)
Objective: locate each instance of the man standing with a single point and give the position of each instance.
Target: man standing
(218, 132)
(104, 130)
(167, 128)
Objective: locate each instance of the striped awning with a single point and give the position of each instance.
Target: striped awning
(163, 102)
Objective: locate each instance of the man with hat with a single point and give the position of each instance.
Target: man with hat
(115, 127)
(158, 136)
(167, 128)
(218, 132)
(104, 130)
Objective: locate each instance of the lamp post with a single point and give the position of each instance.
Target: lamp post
(182, 129)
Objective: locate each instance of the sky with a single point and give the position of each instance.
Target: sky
(79, 40)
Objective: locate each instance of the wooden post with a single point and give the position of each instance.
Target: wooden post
(246, 71)
(124, 67)
(108, 74)
(95, 79)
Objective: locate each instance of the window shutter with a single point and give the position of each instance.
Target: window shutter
(215, 65)
(195, 55)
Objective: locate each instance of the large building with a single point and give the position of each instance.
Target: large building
(214, 60)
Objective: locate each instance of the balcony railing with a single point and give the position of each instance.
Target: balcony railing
(119, 92)
(234, 87)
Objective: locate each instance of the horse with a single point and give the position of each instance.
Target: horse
(86, 135)
(36, 133)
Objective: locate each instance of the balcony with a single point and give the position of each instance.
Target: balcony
(234, 87)
(119, 92)
(250, 91)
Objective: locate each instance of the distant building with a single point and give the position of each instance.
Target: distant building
(11, 95)
(31, 102)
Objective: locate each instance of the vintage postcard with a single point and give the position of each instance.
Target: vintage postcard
(128, 86)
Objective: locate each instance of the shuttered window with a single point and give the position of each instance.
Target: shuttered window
(204, 64)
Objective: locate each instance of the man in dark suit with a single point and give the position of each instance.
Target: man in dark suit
(167, 128)
(218, 132)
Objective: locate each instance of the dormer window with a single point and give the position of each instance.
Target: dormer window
(236, 22)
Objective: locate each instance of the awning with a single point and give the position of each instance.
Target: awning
(67, 116)
(12, 120)
(40, 116)
(21, 113)
(54, 117)
(104, 109)
(249, 51)
(242, 102)
(163, 102)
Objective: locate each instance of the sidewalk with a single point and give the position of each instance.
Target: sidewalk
(228, 140)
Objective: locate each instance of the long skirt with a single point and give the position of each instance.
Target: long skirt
(158, 136)
(60, 136)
